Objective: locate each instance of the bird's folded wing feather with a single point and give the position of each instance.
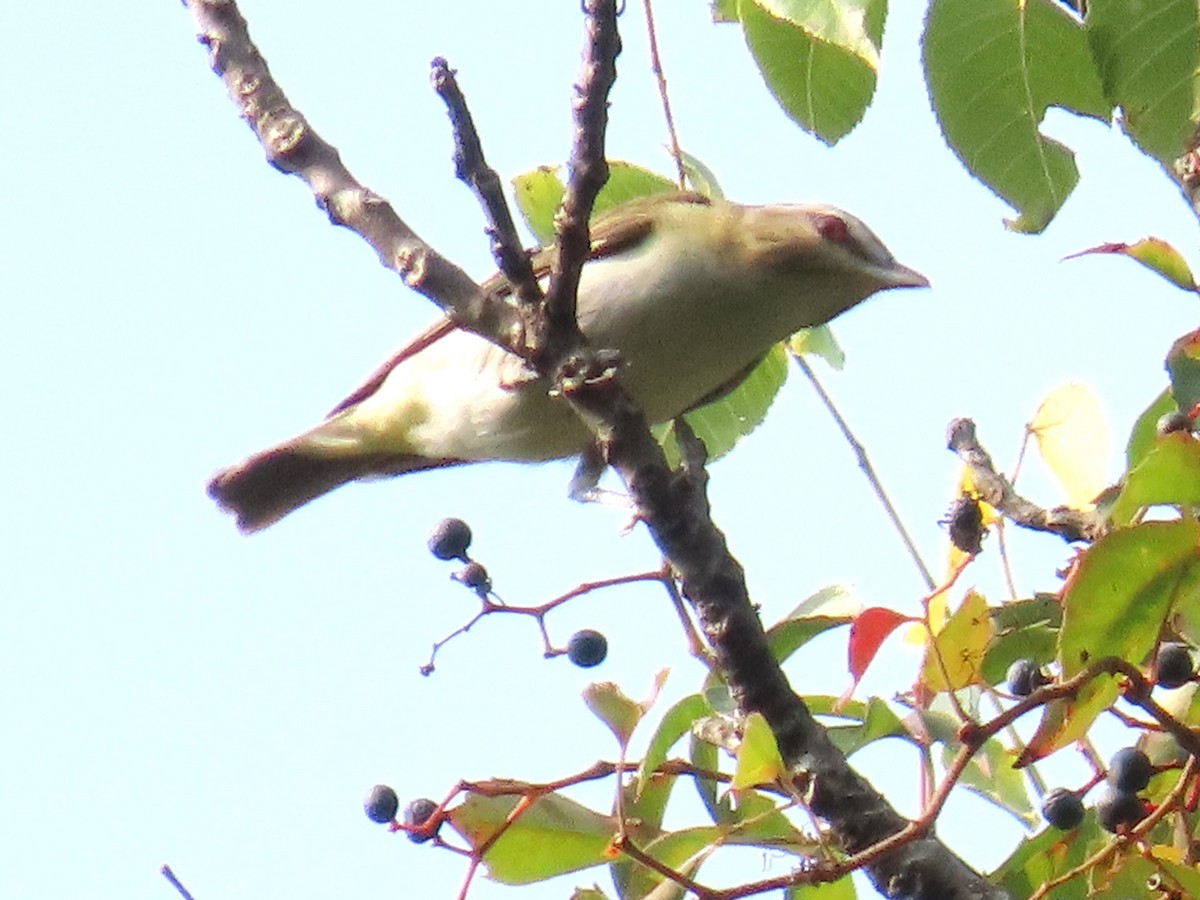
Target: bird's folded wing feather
(609, 236)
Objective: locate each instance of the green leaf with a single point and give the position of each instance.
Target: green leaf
(675, 724)
(1025, 629)
(620, 713)
(990, 775)
(788, 636)
(1148, 59)
(539, 193)
(878, 722)
(724, 11)
(553, 836)
(1122, 591)
(1047, 855)
(704, 755)
(723, 423)
(820, 342)
(993, 67)
(818, 57)
(758, 758)
(1145, 431)
(700, 177)
(843, 889)
(592, 893)
(684, 851)
(1168, 474)
(1183, 365)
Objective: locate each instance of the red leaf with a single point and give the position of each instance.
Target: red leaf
(868, 631)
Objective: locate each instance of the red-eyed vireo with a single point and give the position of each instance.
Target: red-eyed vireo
(691, 291)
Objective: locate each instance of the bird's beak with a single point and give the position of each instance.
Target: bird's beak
(903, 276)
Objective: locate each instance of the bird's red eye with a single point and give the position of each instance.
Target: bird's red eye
(831, 228)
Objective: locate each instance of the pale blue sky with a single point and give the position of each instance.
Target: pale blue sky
(174, 692)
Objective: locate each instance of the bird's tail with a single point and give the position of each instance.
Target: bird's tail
(263, 488)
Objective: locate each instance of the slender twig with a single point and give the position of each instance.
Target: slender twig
(471, 167)
(864, 463)
(175, 882)
(657, 69)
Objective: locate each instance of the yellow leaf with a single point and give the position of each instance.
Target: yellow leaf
(961, 645)
(1074, 440)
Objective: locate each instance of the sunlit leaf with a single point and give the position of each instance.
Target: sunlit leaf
(960, 645)
(553, 836)
(1074, 441)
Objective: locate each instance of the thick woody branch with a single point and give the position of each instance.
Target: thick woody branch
(996, 490)
(293, 147)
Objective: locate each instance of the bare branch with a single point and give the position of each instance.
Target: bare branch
(293, 147)
(997, 490)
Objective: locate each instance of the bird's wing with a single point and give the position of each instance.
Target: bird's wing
(609, 235)
(434, 332)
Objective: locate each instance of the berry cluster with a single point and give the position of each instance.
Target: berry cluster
(1129, 771)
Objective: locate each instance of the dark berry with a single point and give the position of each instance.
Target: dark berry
(1129, 770)
(587, 648)
(476, 577)
(450, 539)
(416, 814)
(1063, 809)
(1117, 808)
(964, 521)
(1172, 422)
(1175, 666)
(1024, 677)
(381, 804)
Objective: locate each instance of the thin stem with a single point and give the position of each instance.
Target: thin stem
(657, 69)
(864, 463)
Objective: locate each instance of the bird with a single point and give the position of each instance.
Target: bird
(691, 291)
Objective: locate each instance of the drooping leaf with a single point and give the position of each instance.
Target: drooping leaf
(1155, 254)
(674, 725)
(818, 57)
(553, 836)
(993, 67)
(1074, 441)
(1148, 58)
